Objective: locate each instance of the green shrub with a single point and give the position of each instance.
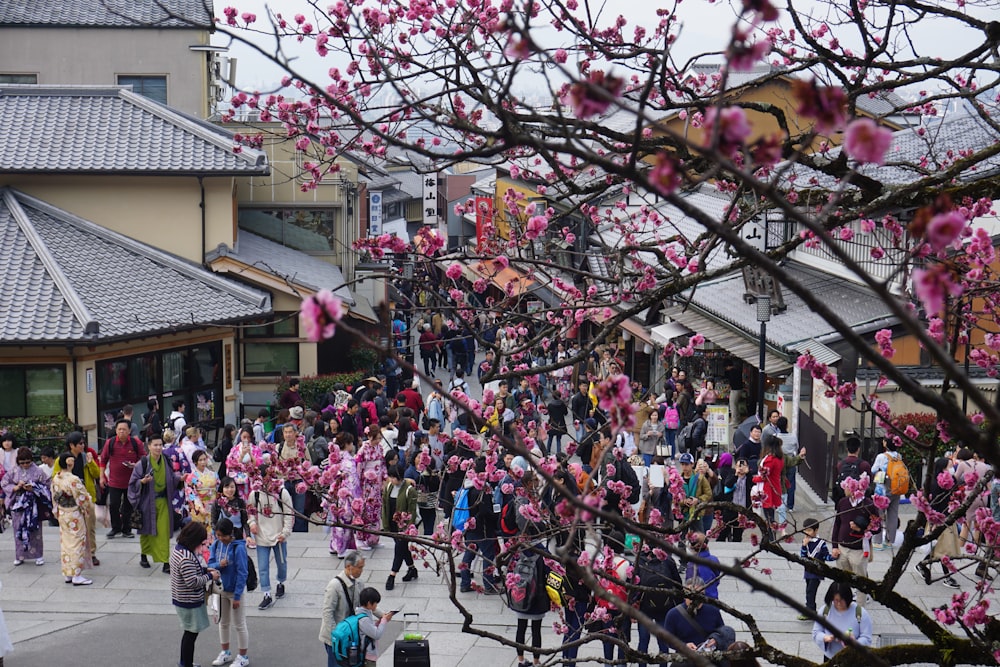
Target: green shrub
(363, 358)
(37, 432)
(314, 387)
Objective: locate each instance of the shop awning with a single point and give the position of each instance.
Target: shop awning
(730, 340)
(637, 329)
(662, 334)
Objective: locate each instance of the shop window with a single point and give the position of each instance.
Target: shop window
(153, 87)
(32, 391)
(192, 375)
(271, 358)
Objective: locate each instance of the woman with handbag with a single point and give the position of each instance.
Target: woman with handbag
(651, 438)
(28, 498)
(152, 491)
(188, 585)
(228, 555)
(74, 508)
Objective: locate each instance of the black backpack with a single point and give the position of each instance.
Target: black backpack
(847, 468)
(661, 575)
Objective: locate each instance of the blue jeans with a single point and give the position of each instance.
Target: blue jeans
(671, 434)
(574, 621)
(792, 474)
(644, 638)
(487, 548)
(280, 552)
(618, 628)
(331, 661)
(647, 459)
(557, 436)
(299, 525)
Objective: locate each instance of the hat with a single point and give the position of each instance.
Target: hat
(372, 379)
(526, 399)
(861, 521)
(295, 412)
(686, 458)
(590, 422)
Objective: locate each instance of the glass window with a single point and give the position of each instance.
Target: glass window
(19, 78)
(153, 87)
(271, 358)
(174, 367)
(32, 391)
(283, 325)
(206, 366)
(142, 380)
(112, 377)
(305, 229)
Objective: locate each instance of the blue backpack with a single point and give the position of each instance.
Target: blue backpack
(460, 514)
(346, 635)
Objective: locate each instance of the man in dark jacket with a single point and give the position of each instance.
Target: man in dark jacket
(697, 624)
(557, 421)
(851, 545)
(581, 408)
(480, 535)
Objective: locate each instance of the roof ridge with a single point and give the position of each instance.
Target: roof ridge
(80, 311)
(167, 259)
(172, 116)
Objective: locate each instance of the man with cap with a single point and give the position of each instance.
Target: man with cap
(290, 396)
(697, 489)
(585, 450)
(850, 537)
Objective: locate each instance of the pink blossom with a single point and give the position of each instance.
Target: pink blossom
(613, 391)
(454, 271)
(884, 339)
(594, 96)
(733, 127)
(944, 228)
(664, 177)
(866, 142)
(933, 285)
(536, 227)
(319, 315)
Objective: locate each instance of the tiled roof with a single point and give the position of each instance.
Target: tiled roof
(80, 129)
(67, 279)
(853, 303)
(939, 145)
(294, 266)
(107, 13)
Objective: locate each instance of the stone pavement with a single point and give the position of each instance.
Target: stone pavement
(40, 608)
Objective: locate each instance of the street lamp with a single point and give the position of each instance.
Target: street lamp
(763, 316)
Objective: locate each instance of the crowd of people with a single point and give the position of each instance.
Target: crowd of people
(394, 461)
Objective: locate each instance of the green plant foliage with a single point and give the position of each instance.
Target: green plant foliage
(37, 432)
(362, 358)
(314, 387)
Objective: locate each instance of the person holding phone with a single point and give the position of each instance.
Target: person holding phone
(372, 627)
(118, 457)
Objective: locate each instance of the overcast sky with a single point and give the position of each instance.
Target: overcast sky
(706, 27)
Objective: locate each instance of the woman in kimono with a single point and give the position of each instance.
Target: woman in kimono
(244, 458)
(346, 501)
(200, 490)
(175, 455)
(371, 474)
(27, 491)
(74, 507)
(153, 489)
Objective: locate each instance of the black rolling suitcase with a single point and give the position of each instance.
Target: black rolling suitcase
(415, 651)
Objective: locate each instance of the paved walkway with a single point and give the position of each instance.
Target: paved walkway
(38, 605)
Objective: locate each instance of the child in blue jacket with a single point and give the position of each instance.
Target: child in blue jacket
(228, 555)
(816, 548)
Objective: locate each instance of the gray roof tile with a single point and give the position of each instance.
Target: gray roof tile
(853, 303)
(107, 13)
(82, 129)
(68, 279)
(295, 266)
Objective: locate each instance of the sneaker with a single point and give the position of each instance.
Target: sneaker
(18, 561)
(81, 581)
(224, 658)
(266, 602)
(39, 561)
(112, 534)
(280, 591)
(242, 661)
(950, 582)
(802, 617)
(879, 547)
(924, 570)
(128, 534)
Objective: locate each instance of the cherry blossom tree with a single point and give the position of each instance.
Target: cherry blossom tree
(887, 137)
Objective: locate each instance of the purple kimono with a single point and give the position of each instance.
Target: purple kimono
(26, 507)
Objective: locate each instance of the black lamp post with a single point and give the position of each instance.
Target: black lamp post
(763, 316)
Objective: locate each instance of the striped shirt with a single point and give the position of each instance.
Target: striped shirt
(188, 579)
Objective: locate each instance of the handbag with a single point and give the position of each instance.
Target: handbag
(663, 451)
(136, 518)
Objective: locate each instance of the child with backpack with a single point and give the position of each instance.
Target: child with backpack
(354, 640)
(815, 548)
(228, 555)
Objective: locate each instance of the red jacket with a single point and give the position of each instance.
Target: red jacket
(130, 451)
(770, 474)
(413, 400)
